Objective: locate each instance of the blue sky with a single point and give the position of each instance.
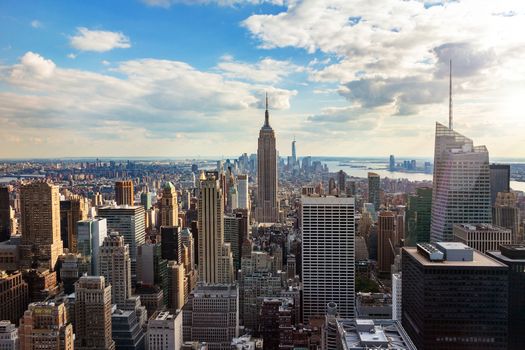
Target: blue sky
(187, 77)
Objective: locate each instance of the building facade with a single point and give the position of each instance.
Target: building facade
(483, 237)
(461, 185)
(165, 331)
(267, 209)
(124, 193)
(115, 266)
(328, 254)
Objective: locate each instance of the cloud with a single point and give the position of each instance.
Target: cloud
(169, 3)
(36, 24)
(32, 65)
(98, 40)
(265, 71)
(155, 98)
(71, 55)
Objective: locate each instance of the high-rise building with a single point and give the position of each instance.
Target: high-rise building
(328, 254)
(461, 185)
(392, 163)
(417, 222)
(211, 230)
(341, 182)
(233, 235)
(176, 286)
(40, 222)
(5, 214)
(114, 265)
(8, 336)
(331, 187)
(454, 297)
(152, 269)
(165, 331)
(267, 209)
(211, 315)
(45, 326)
(73, 266)
(482, 237)
(127, 331)
(93, 314)
(505, 213)
(129, 222)
(145, 199)
(294, 153)
(124, 194)
(171, 244)
(72, 210)
(499, 180)
(243, 196)
(168, 206)
(397, 299)
(514, 257)
(386, 241)
(14, 296)
(374, 195)
(371, 334)
(91, 234)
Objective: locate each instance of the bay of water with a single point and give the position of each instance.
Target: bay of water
(381, 169)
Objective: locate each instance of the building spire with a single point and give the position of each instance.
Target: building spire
(266, 114)
(450, 98)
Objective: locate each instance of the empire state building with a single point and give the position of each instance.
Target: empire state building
(267, 209)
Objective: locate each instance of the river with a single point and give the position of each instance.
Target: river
(380, 168)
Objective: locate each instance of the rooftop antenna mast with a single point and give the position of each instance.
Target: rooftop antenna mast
(450, 98)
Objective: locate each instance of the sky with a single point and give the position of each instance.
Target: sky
(172, 78)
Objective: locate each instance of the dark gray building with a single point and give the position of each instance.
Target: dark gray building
(454, 298)
(499, 180)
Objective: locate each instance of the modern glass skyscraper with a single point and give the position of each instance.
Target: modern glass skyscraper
(419, 207)
(328, 255)
(499, 180)
(461, 186)
(373, 190)
(267, 206)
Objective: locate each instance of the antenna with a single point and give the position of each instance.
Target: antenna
(450, 97)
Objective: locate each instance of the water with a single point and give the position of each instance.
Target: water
(381, 169)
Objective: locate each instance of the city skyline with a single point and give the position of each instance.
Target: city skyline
(102, 74)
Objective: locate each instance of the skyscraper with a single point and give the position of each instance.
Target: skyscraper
(211, 229)
(514, 257)
(171, 244)
(211, 315)
(168, 206)
(93, 314)
(243, 197)
(373, 190)
(45, 326)
(294, 153)
(386, 241)
(40, 223)
(506, 213)
(328, 254)
(72, 210)
(114, 265)
(5, 214)
(14, 296)
(461, 185)
(417, 223)
(392, 163)
(129, 222)
(91, 234)
(454, 297)
(341, 182)
(499, 180)
(124, 192)
(267, 209)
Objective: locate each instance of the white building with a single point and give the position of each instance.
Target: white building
(115, 266)
(461, 185)
(165, 331)
(396, 297)
(328, 253)
(91, 233)
(243, 197)
(483, 237)
(8, 336)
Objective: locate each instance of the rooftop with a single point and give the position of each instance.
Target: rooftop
(481, 227)
(356, 334)
(478, 260)
(313, 200)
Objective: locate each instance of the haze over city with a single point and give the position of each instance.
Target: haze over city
(187, 78)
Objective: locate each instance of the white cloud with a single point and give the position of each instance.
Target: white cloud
(71, 56)
(150, 99)
(266, 70)
(98, 40)
(36, 24)
(169, 3)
